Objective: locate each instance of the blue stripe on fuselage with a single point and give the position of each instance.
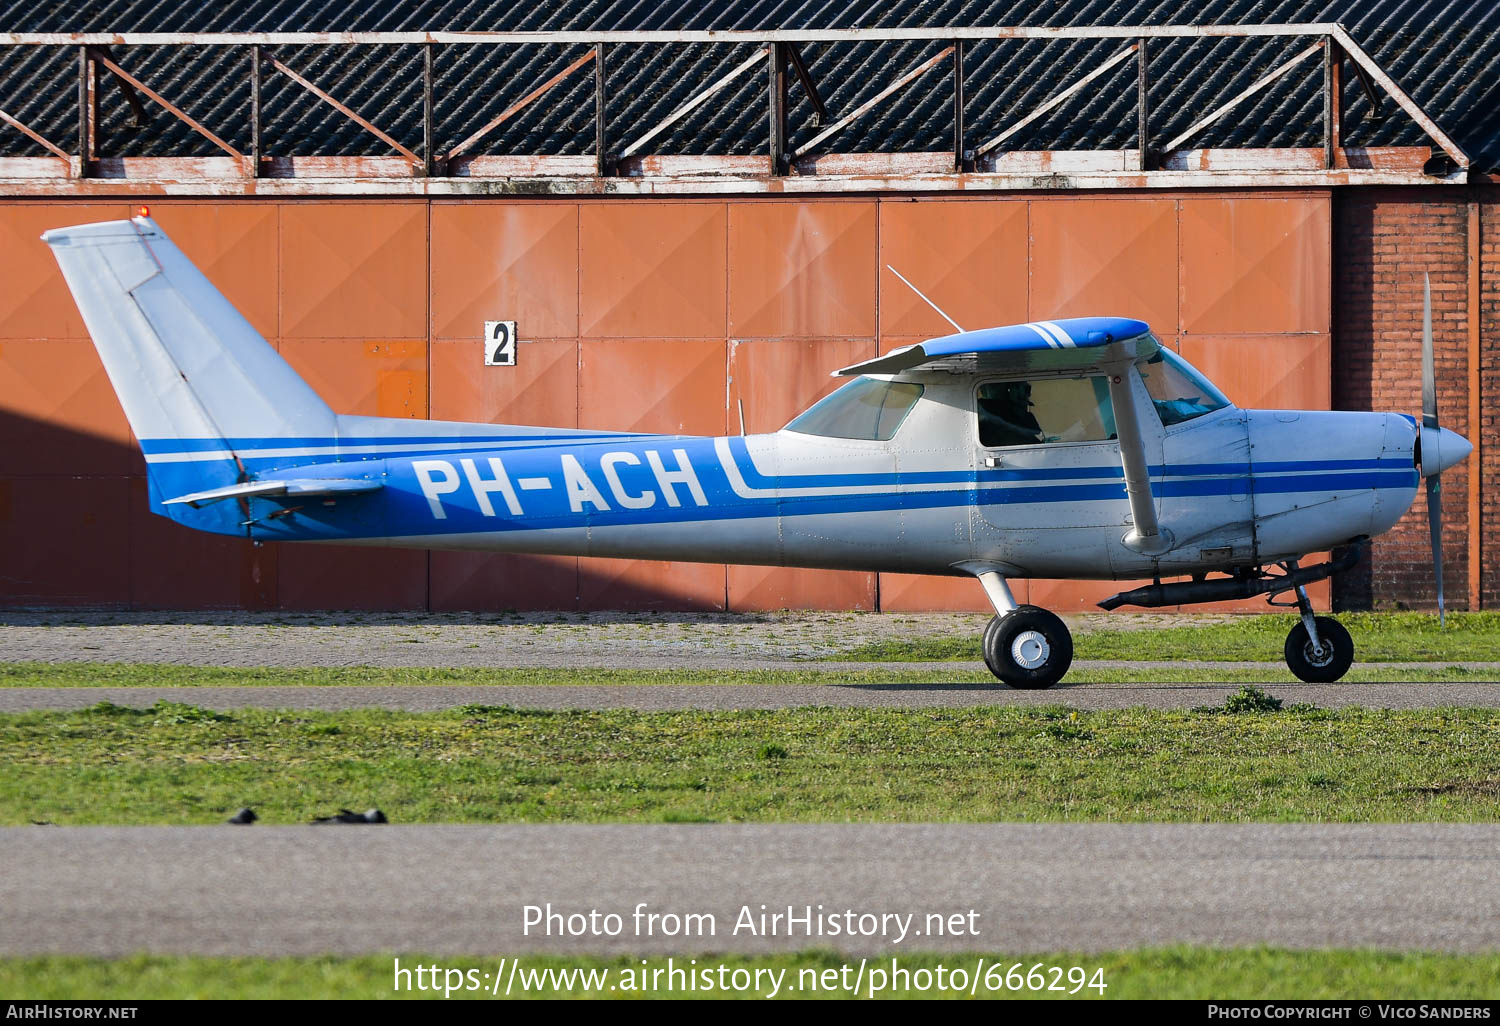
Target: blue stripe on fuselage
(401, 508)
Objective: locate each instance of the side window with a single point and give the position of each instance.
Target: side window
(867, 409)
(1044, 410)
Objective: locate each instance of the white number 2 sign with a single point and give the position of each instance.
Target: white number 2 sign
(499, 343)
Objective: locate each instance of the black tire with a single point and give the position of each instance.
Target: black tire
(984, 643)
(1325, 667)
(1009, 637)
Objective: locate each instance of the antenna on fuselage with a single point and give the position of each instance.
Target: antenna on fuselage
(924, 299)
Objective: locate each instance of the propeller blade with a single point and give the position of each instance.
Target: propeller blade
(1435, 527)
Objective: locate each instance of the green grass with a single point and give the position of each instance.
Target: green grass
(96, 675)
(1378, 637)
(181, 764)
(1176, 972)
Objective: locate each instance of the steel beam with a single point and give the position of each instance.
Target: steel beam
(696, 101)
(804, 76)
(346, 111)
(256, 58)
(589, 38)
(960, 154)
(521, 104)
(1061, 97)
(858, 112)
(601, 115)
(1333, 101)
(429, 162)
(521, 175)
(1406, 103)
(784, 56)
(162, 101)
(1142, 108)
(1264, 82)
(776, 90)
(85, 122)
(55, 150)
(137, 109)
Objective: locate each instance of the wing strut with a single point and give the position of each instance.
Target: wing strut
(1145, 534)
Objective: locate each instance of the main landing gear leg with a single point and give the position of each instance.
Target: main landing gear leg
(1025, 646)
(1319, 649)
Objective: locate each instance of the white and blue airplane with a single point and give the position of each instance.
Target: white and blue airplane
(1078, 448)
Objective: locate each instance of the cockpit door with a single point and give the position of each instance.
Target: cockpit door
(1048, 456)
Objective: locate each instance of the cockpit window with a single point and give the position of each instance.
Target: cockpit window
(1179, 392)
(865, 408)
(1044, 410)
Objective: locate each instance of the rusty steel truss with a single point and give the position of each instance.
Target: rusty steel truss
(623, 162)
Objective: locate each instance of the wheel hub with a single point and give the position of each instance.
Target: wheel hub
(1030, 649)
(1318, 655)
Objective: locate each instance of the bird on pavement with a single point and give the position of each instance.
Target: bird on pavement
(346, 816)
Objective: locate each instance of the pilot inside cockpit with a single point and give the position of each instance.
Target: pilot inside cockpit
(1044, 411)
(1005, 416)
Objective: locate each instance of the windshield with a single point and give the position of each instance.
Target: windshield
(865, 408)
(1179, 392)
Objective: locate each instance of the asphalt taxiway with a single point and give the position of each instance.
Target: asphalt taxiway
(429, 698)
(111, 891)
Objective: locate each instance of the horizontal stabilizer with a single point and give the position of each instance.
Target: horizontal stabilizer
(274, 489)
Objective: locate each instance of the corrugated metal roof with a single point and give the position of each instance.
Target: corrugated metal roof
(1445, 53)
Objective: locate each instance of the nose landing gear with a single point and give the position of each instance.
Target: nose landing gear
(1318, 650)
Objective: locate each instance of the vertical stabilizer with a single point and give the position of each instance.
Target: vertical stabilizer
(185, 363)
(196, 380)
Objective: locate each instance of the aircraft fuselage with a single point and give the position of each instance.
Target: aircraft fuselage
(1237, 487)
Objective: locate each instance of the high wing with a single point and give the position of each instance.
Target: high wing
(1110, 345)
(1074, 342)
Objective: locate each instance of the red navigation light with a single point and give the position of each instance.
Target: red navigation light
(143, 211)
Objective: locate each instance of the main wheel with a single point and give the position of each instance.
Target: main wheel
(1319, 665)
(984, 644)
(1028, 647)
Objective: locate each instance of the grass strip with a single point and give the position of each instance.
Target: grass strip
(182, 764)
(1182, 972)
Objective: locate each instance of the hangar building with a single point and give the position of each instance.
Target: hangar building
(688, 211)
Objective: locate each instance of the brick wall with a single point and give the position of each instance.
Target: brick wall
(1489, 388)
(1384, 239)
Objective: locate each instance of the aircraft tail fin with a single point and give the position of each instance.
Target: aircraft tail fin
(185, 363)
(194, 377)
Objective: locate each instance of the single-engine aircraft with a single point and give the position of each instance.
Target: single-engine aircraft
(1072, 448)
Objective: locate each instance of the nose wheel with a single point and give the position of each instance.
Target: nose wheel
(1318, 650)
(1028, 647)
(1322, 661)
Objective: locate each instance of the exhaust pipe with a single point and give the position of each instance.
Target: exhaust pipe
(1185, 593)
